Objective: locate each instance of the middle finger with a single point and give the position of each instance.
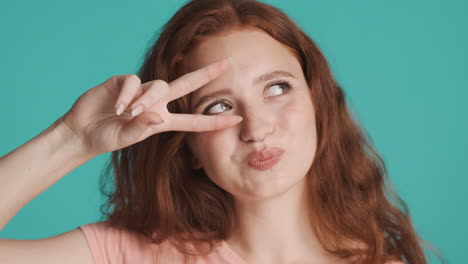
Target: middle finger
(196, 79)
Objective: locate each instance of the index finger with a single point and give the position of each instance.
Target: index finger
(193, 80)
(201, 123)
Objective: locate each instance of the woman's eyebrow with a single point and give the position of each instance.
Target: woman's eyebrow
(260, 79)
(271, 75)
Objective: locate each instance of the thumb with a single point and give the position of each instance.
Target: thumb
(134, 131)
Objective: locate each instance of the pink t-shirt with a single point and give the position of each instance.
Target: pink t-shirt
(113, 246)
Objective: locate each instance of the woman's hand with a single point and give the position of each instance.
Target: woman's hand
(122, 111)
(101, 121)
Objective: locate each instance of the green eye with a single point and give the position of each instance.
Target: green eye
(217, 107)
(221, 106)
(278, 88)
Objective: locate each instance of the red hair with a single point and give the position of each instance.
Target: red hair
(156, 194)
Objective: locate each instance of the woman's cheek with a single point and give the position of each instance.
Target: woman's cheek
(212, 144)
(290, 114)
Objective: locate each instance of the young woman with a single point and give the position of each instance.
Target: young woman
(294, 181)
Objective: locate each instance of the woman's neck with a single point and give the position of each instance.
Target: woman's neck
(276, 230)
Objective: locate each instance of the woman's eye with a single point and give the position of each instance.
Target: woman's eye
(216, 108)
(278, 88)
(221, 106)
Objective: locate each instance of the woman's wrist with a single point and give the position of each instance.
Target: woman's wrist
(36, 165)
(64, 141)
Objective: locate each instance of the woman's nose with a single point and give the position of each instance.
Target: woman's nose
(257, 125)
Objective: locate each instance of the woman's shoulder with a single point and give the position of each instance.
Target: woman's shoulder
(109, 244)
(114, 245)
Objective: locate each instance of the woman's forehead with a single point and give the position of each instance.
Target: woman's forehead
(249, 50)
(253, 53)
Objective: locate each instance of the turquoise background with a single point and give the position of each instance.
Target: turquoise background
(403, 65)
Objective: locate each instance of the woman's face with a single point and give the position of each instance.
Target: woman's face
(272, 149)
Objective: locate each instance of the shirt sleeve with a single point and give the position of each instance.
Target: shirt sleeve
(104, 242)
(110, 245)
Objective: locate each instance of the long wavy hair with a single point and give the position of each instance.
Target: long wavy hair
(155, 193)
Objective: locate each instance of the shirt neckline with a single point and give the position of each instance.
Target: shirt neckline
(227, 251)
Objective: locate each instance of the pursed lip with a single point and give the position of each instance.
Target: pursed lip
(265, 159)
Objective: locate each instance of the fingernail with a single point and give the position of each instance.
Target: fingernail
(239, 118)
(120, 109)
(137, 110)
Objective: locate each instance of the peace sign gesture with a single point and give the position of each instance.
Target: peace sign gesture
(122, 111)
